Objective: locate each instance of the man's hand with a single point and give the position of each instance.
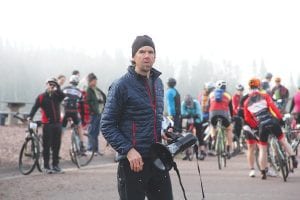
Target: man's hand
(135, 160)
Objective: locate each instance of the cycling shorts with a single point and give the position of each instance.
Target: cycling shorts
(250, 135)
(74, 116)
(270, 126)
(225, 121)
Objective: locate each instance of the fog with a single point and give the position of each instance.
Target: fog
(196, 41)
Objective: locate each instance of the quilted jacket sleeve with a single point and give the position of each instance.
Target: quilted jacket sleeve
(116, 99)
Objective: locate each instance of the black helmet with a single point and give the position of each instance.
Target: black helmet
(269, 75)
(239, 87)
(171, 82)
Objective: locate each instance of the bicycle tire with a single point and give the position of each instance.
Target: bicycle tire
(86, 157)
(219, 150)
(29, 143)
(281, 160)
(40, 159)
(74, 149)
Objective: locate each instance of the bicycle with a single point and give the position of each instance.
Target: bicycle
(220, 144)
(31, 152)
(80, 157)
(277, 158)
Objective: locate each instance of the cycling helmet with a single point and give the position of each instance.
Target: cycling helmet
(239, 87)
(171, 82)
(269, 75)
(52, 80)
(221, 84)
(254, 83)
(209, 86)
(74, 79)
(278, 79)
(188, 101)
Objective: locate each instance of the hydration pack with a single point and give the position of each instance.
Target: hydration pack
(219, 95)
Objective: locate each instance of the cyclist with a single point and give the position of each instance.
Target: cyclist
(173, 104)
(237, 120)
(191, 110)
(220, 107)
(295, 106)
(72, 100)
(49, 102)
(265, 84)
(280, 95)
(204, 97)
(259, 112)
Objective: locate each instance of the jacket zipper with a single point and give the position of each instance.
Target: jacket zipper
(133, 134)
(153, 105)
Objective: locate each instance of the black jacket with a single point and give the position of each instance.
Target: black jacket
(131, 117)
(50, 106)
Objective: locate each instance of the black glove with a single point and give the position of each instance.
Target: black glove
(281, 122)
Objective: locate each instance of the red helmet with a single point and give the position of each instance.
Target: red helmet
(254, 83)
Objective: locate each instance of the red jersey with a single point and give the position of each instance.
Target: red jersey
(259, 107)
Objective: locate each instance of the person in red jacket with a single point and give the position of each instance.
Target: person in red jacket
(49, 102)
(236, 119)
(260, 112)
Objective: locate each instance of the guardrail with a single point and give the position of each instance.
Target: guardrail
(9, 108)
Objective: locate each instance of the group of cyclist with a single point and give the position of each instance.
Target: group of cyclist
(251, 113)
(60, 105)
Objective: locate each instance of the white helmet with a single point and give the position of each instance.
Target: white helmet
(221, 84)
(209, 86)
(74, 79)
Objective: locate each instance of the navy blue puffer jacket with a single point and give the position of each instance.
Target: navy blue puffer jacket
(130, 118)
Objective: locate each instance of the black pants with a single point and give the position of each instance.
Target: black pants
(51, 139)
(177, 123)
(238, 125)
(150, 182)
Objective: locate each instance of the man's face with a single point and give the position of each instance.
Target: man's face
(277, 83)
(93, 83)
(61, 81)
(50, 86)
(144, 58)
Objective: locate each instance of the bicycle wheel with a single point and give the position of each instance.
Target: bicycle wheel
(28, 156)
(85, 157)
(282, 162)
(220, 151)
(74, 151)
(40, 160)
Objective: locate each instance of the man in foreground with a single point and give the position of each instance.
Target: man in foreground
(131, 123)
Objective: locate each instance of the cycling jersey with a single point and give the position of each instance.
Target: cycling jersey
(194, 111)
(173, 101)
(50, 106)
(220, 106)
(73, 97)
(259, 108)
(235, 103)
(295, 106)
